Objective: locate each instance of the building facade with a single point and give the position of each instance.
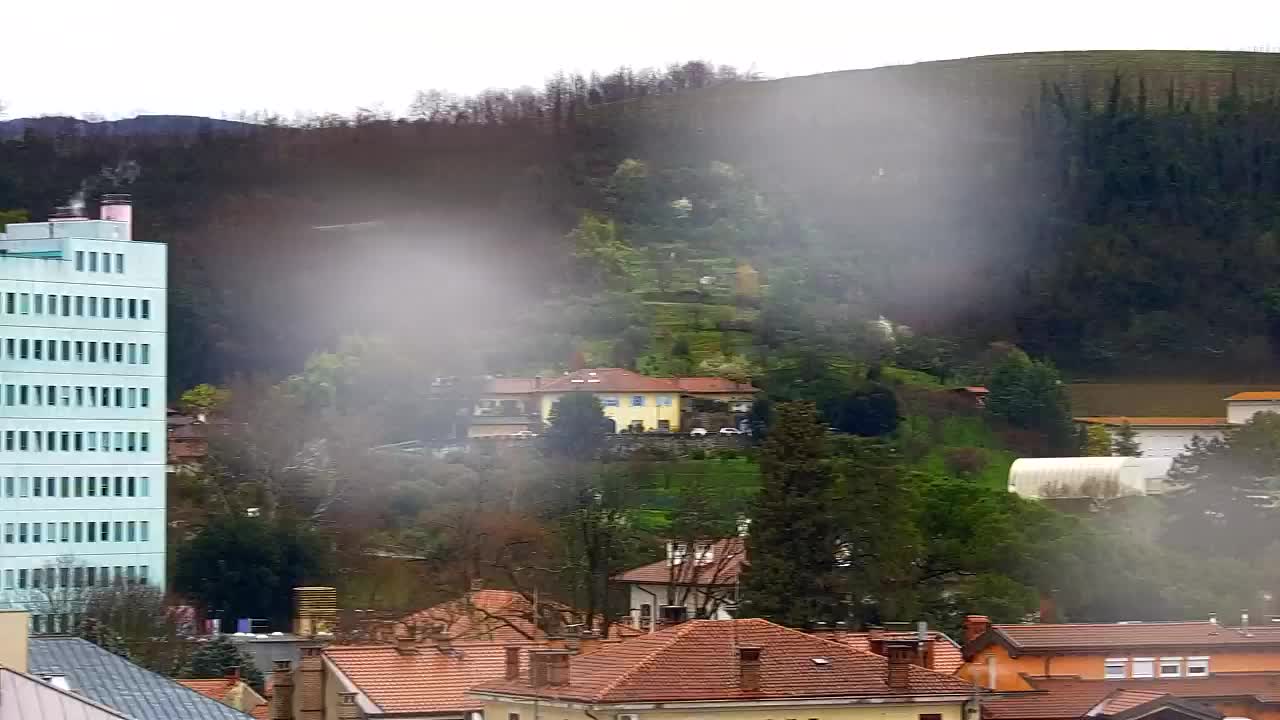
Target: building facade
(82, 411)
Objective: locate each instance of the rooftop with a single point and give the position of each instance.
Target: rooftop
(26, 697)
(614, 380)
(721, 568)
(111, 680)
(1071, 698)
(1254, 395)
(1156, 421)
(1084, 637)
(947, 657)
(697, 661)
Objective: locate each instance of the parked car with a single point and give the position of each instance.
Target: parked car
(698, 431)
(730, 431)
(525, 434)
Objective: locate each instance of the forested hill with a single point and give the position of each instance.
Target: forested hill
(1111, 209)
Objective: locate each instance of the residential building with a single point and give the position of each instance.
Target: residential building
(82, 416)
(632, 402)
(749, 669)
(1244, 405)
(1162, 436)
(937, 651)
(114, 686)
(1003, 657)
(1255, 696)
(231, 691)
(1088, 477)
(695, 580)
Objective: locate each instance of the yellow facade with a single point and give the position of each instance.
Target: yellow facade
(887, 710)
(646, 410)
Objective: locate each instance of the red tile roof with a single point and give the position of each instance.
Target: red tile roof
(609, 380)
(1122, 700)
(430, 680)
(722, 568)
(1155, 421)
(713, 385)
(697, 661)
(947, 657)
(1255, 395)
(1071, 698)
(501, 616)
(1115, 636)
(212, 688)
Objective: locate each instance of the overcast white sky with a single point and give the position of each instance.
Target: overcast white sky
(123, 57)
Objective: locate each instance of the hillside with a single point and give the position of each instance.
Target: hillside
(977, 200)
(144, 125)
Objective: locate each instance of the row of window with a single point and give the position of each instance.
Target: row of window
(79, 486)
(636, 400)
(20, 303)
(1147, 667)
(93, 264)
(76, 396)
(75, 441)
(77, 351)
(52, 578)
(86, 532)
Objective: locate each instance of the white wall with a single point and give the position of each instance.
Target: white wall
(143, 278)
(1239, 412)
(1168, 442)
(644, 595)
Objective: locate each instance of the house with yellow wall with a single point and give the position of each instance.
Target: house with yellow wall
(633, 402)
(723, 669)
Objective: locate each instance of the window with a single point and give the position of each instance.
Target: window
(119, 262)
(664, 401)
(131, 487)
(144, 486)
(93, 262)
(93, 352)
(105, 487)
(106, 262)
(9, 305)
(22, 579)
(133, 309)
(36, 350)
(8, 482)
(119, 531)
(37, 487)
(146, 353)
(80, 486)
(146, 309)
(23, 349)
(80, 260)
(664, 425)
(513, 716)
(78, 577)
(142, 573)
(144, 442)
(79, 532)
(66, 484)
(922, 716)
(119, 401)
(8, 533)
(9, 352)
(90, 576)
(119, 486)
(1143, 667)
(66, 306)
(93, 307)
(119, 308)
(39, 304)
(1114, 668)
(1170, 667)
(1198, 666)
(637, 401)
(131, 532)
(144, 397)
(8, 579)
(64, 577)
(36, 534)
(10, 395)
(119, 352)
(79, 442)
(133, 353)
(24, 303)
(609, 401)
(144, 531)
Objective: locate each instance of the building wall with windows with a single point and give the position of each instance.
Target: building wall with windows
(82, 412)
(631, 411)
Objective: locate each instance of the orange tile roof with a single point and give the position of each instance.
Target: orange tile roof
(1071, 698)
(1122, 700)
(609, 380)
(1255, 395)
(212, 688)
(502, 616)
(1083, 637)
(1155, 421)
(723, 568)
(713, 385)
(431, 680)
(697, 661)
(947, 657)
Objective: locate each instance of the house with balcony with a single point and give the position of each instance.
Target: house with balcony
(695, 580)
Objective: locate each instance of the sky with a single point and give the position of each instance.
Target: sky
(127, 57)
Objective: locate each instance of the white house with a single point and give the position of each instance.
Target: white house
(1244, 405)
(1162, 436)
(82, 411)
(696, 580)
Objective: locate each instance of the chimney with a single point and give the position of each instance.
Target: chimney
(538, 673)
(749, 668)
(13, 639)
(900, 654)
(588, 642)
(347, 707)
(407, 644)
(558, 668)
(513, 663)
(281, 691)
(1244, 622)
(118, 207)
(1048, 608)
(310, 684)
(974, 626)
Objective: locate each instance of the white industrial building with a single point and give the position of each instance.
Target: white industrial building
(1088, 477)
(82, 411)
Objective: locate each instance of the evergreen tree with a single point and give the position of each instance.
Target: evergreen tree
(1098, 442)
(1125, 443)
(791, 545)
(578, 427)
(212, 660)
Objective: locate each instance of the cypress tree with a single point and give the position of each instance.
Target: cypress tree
(791, 546)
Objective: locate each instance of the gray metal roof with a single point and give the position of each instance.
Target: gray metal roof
(111, 680)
